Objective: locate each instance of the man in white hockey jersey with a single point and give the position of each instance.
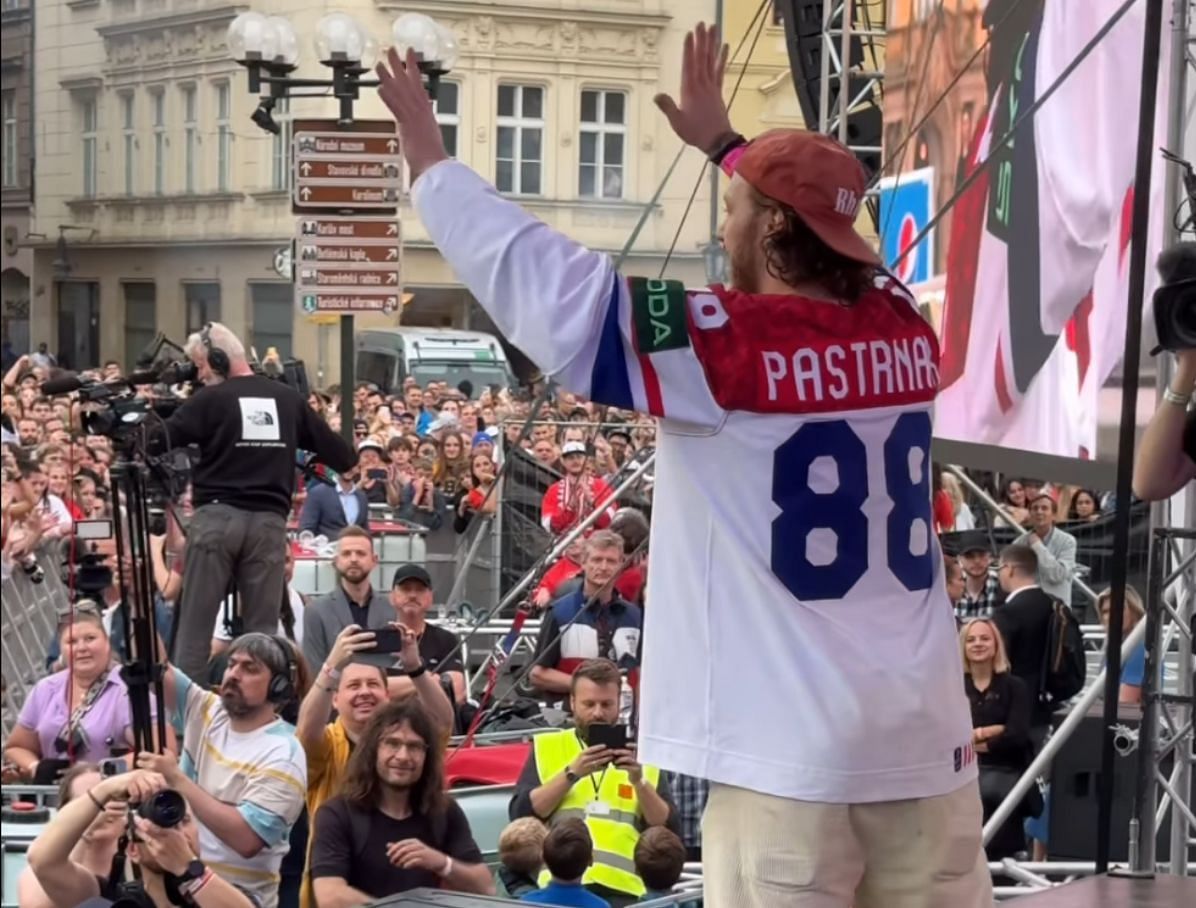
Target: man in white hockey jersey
(799, 650)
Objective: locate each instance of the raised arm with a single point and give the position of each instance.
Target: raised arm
(1162, 468)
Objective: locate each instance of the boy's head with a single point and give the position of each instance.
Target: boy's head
(521, 846)
(568, 850)
(659, 858)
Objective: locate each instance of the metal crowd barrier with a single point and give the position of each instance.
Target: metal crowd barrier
(28, 619)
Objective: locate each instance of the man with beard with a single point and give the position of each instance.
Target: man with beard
(592, 622)
(242, 769)
(393, 827)
(810, 382)
(566, 775)
(168, 859)
(354, 601)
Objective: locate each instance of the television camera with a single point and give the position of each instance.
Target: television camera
(1175, 299)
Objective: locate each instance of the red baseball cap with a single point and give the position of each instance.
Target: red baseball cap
(818, 178)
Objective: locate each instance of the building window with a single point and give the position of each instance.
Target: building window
(273, 317)
(190, 139)
(141, 299)
(128, 131)
(203, 304)
(448, 114)
(159, 105)
(519, 158)
(224, 136)
(10, 138)
(603, 137)
(280, 158)
(89, 122)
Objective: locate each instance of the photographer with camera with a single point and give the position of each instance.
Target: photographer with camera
(163, 847)
(247, 428)
(1167, 453)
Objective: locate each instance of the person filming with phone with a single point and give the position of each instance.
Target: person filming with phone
(591, 772)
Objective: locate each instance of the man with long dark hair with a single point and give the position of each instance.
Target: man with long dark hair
(393, 827)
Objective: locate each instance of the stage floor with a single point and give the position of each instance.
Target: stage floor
(1115, 892)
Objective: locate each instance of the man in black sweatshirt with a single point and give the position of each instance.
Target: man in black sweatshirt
(247, 428)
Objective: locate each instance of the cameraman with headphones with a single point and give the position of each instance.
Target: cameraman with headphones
(167, 859)
(1167, 453)
(247, 428)
(242, 770)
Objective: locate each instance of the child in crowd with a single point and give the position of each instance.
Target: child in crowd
(568, 852)
(659, 860)
(521, 850)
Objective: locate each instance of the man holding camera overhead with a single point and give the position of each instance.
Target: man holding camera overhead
(248, 428)
(591, 772)
(168, 857)
(242, 769)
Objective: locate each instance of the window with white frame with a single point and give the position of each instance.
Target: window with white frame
(224, 136)
(158, 100)
(280, 158)
(519, 155)
(601, 151)
(128, 135)
(89, 118)
(190, 138)
(10, 138)
(448, 114)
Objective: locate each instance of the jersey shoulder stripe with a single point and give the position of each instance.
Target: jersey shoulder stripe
(610, 382)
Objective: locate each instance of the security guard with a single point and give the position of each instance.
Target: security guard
(565, 775)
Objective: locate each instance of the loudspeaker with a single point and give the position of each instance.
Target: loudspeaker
(1074, 800)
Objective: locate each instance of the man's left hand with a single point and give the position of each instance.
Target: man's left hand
(625, 759)
(166, 765)
(401, 88)
(412, 854)
(410, 651)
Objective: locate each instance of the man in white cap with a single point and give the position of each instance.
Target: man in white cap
(572, 498)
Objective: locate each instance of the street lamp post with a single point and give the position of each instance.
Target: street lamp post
(268, 48)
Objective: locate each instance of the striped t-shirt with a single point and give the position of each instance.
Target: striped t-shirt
(262, 772)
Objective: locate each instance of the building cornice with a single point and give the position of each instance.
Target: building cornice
(219, 14)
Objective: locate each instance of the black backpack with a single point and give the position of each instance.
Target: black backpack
(1064, 666)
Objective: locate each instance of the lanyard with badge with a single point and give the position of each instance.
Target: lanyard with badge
(596, 807)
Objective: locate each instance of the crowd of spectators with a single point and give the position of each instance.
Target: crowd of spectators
(339, 740)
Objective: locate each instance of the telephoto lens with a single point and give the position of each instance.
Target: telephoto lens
(166, 809)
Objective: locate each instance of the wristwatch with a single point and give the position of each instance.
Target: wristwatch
(416, 672)
(194, 872)
(572, 777)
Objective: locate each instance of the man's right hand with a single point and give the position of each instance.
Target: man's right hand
(1184, 381)
(591, 760)
(348, 643)
(701, 120)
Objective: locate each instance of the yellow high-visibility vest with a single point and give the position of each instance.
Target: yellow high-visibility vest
(614, 826)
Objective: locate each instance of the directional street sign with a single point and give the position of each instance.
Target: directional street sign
(347, 264)
(353, 168)
(348, 181)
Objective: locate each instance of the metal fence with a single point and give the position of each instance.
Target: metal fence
(27, 624)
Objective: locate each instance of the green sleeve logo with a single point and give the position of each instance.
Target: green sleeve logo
(658, 312)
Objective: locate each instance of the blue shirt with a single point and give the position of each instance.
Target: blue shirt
(1134, 670)
(349, 503)
(571, 895)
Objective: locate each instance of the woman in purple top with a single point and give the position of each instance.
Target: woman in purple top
(80, 713)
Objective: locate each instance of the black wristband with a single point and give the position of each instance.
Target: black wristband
(416, 672)
(727, 147)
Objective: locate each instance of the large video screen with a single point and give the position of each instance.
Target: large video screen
(1026, 275)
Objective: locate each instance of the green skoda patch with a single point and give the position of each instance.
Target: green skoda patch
(658, 311)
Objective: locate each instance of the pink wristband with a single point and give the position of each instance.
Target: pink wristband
(729, 162)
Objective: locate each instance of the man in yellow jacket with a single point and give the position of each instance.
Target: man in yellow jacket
(568, 775)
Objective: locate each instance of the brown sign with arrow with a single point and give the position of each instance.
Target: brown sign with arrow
(354, 168)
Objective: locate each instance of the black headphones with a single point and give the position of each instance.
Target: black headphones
(282, 687)
(217, 358)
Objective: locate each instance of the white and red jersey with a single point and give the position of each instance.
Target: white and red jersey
(798, 639)
(570, 500)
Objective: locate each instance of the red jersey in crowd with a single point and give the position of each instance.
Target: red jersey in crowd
(571, 500)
